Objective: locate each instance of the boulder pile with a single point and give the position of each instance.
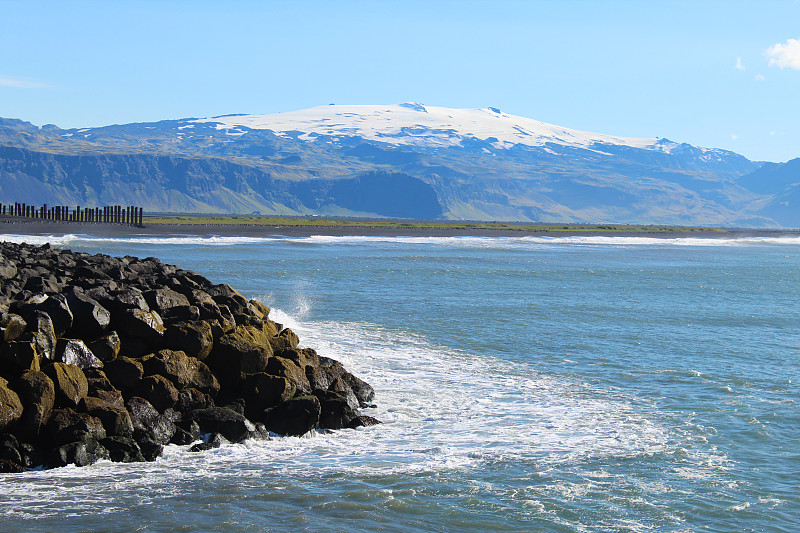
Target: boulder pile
(114, 357)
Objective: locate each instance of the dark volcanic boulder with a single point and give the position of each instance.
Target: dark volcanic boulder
(10, 449)
(42, 334)
(145, 325)
(80, 453)
(231, 358)
(115, 418)
(10, 467)
(335, 411)
(10, 406)
(191, 399)
(42, 285)
(363, 391)
(104, 357)
(294, 417)
(123, 449)
(124, 300)
(106, 347)
(159, 391)
(165, 298)
(7, 269)
(56, 307)
(37, 393)
(181, 313)
(75, 352)
(285, 340)
(339, 386)
(11, 326)
(160, 427)
(124, 372)
(214, 441)
(194, 338)
(285, 368)
(90, 319)
(19, 356)
(183, 371)
(230, 424)
(70, 383)
(149, 444)
(262, 391)
(363, 421)
(66, 425)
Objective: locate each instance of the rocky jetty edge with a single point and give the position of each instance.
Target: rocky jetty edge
(115, 357)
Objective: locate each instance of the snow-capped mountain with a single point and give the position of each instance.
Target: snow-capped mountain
(413, 124)
(418, 125)
(405, 161)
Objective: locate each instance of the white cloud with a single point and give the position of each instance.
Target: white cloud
(734, 137)
(739, 65)
(759, 77)
(786, 55)
(19, 83)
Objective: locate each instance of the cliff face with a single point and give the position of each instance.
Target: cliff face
(205, 185)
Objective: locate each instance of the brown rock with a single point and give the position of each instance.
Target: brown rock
(232, 358)
(124, 373)
(11, 326)
(191, 399)
(159, 391)
(262, 391)
(262, 310)
(38, 394)
(194, 338)
(98, 381)
(278, 366)
(295, 417)
(115, 418)
(106, 347)
(285, 340)
(183, 371)
(10, 406)
(19, 355)
(301, 357)
(146, 325)
(70, 383)
(66, 425)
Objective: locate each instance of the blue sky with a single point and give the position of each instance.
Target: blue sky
(711, 73)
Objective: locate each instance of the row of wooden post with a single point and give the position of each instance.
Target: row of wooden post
(110, 214)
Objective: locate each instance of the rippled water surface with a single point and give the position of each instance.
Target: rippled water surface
(525, 384)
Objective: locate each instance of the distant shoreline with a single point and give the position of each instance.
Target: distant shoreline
(23, 226)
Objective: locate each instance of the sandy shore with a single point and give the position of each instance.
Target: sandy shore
(17, 226)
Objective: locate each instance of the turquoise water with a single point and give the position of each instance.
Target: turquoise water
(526, 384)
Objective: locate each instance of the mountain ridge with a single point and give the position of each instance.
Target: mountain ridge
(477, 164)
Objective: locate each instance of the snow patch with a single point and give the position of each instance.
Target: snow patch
(415, 124)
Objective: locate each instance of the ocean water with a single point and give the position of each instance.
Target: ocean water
(525, 384)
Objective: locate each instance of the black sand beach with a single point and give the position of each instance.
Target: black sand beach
(23, 226)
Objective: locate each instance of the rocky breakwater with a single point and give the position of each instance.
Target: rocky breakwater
(112, 358)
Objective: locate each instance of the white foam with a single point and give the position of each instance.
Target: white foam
(444, 409)
(499, 243)
(534, 241)
(445, 413)
(192, 240)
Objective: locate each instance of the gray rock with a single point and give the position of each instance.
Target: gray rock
(75, 352)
